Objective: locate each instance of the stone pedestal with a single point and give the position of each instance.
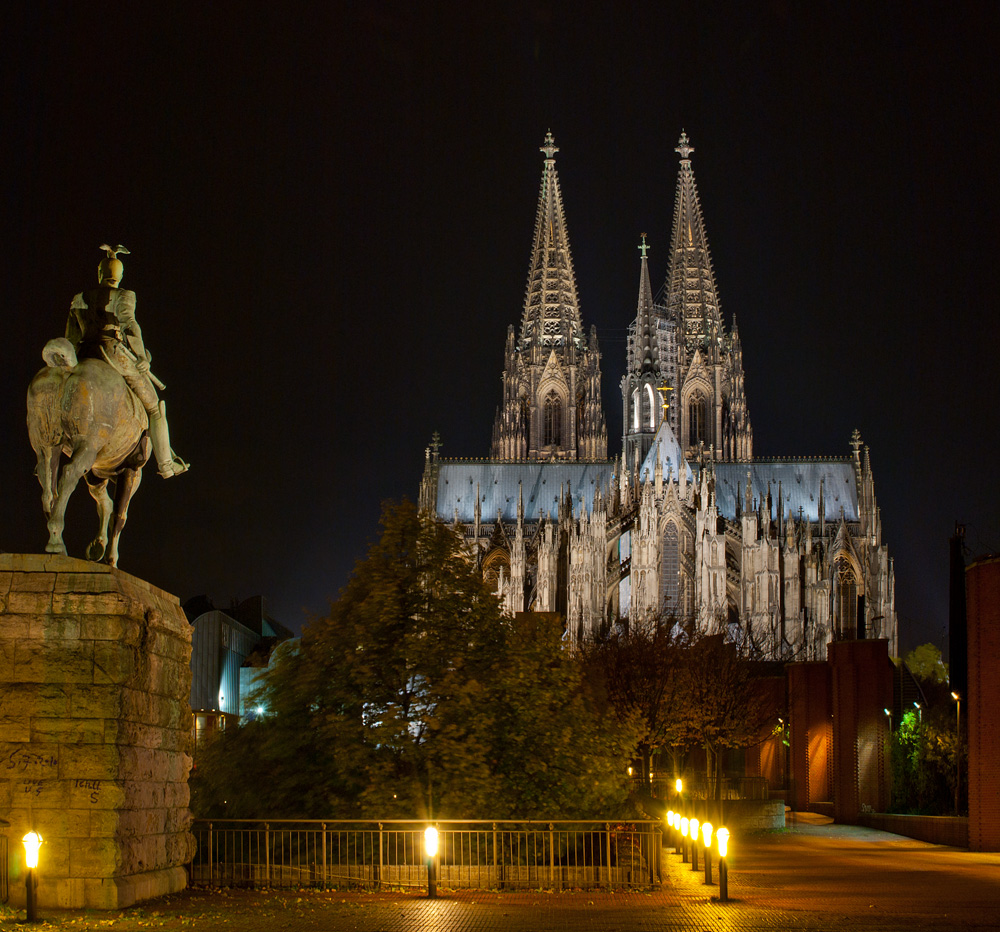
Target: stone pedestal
(95, 727)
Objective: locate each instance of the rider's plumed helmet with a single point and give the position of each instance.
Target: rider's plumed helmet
(111, 269)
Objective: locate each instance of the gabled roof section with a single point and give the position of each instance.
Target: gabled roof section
(541, 487)
(668, 450)
(690, 286)
(551, 305)
(800, 487)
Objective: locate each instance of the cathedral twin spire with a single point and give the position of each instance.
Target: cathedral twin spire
(551, 306)
(551, 409)
(681, 350)
(681, 363)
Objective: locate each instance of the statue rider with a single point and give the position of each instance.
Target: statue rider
(102, 325)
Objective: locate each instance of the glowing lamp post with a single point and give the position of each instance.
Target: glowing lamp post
(722, 836)
(431, 850)
(706, 834)
(670, 824)
(958, 745)
(684, 835)
(32, 842)
(693, 835)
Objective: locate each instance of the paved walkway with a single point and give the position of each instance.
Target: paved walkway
(814, 876)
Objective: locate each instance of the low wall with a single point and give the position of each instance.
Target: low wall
(938, 830)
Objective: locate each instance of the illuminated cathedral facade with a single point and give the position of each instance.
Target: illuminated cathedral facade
(783, 555)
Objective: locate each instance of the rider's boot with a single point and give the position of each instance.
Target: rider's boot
(168, 462)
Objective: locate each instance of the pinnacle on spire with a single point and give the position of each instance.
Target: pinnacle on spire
(645, 349)
(683, 148)
(550, 148)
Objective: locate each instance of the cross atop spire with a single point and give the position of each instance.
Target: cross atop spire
(550, 148)
(643, 248)
(683, 148)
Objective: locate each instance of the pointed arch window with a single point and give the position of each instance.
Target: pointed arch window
(651, 406)
(697, 420)
(669, 570)
(846, 598)
(552, 421)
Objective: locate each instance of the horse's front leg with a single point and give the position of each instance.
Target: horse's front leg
(99, 492)
(127, 482)
(79, 464)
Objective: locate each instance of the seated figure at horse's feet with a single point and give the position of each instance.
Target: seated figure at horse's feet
(102, 325)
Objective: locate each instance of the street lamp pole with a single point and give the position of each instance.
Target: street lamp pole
(958, 746)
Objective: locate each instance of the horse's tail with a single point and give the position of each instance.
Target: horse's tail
(59, 354)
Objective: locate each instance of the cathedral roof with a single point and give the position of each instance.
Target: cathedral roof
(800, 486)
(541, 486)
(665, 446)
(551, 305)
(690, 286)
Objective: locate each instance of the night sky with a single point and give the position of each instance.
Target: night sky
(330, 207)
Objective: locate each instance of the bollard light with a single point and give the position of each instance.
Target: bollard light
(693, 835)
(685, 822)
(670, 817)
(431, 849)
(706, 834)
(32, 842)
(723, 836)
(679, 785)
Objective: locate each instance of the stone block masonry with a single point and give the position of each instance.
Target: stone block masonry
(95, 729)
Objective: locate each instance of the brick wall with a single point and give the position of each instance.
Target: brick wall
(862, 677)
(810, 710)
(981, 709)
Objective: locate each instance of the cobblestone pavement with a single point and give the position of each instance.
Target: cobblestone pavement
(811, 876)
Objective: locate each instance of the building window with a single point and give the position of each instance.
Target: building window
(651, 401)
(847, 599)
(669, 568)
(552, 421)
(697, 420)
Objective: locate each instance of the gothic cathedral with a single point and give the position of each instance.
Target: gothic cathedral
(782, 555)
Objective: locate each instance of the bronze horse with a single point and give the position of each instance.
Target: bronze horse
(86, 411)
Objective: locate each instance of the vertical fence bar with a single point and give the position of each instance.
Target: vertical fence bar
(552, 857)
(211, 871)
(496, 869)
(607, 829)
(267, 855)
(322, 829)
(380, 855)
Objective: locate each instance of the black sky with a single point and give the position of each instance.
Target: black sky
(330, 209)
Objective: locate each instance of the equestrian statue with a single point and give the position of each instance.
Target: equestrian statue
(96, 403)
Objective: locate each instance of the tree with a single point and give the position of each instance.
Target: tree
(638, 665)
(926, 664)
(686, 689)
(415, 697)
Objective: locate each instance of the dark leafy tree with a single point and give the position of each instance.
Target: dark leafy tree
(415, 697)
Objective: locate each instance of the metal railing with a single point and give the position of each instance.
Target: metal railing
(480, 854)
(733, 787)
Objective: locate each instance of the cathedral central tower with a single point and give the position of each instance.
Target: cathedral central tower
(551, 408)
